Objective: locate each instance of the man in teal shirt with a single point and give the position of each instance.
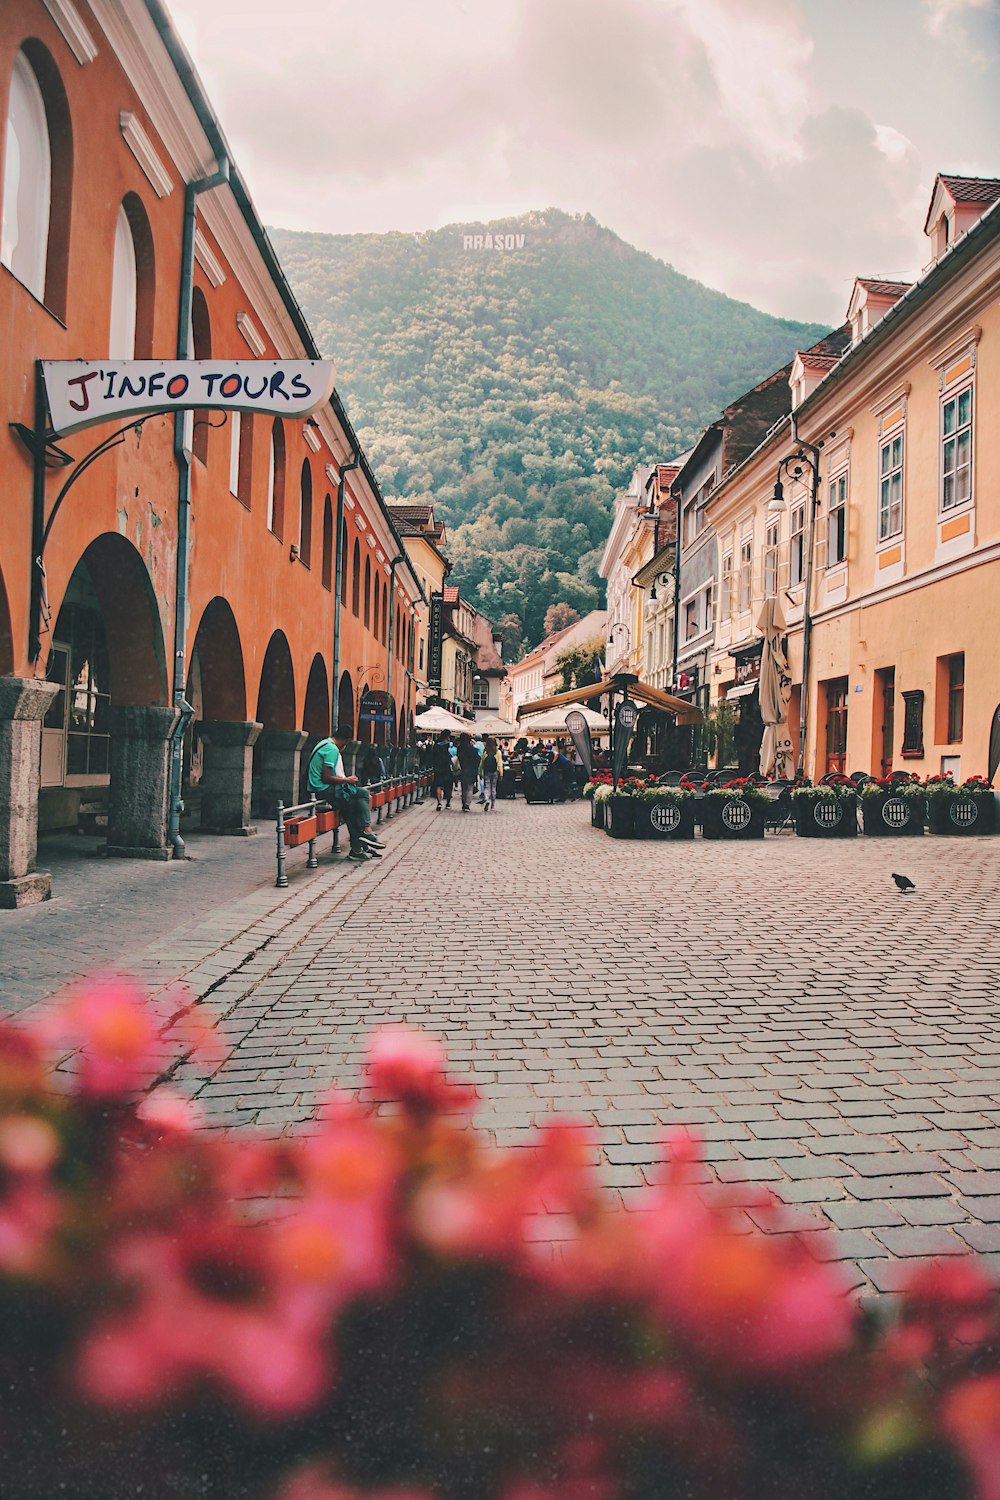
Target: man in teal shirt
(327, 780)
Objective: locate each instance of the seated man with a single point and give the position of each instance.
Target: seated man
(327, 780)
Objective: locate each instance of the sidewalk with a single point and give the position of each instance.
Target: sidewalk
(818, 1031)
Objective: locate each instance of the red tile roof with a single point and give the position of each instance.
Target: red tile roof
(450, 593)
(880, 288)
(818, 361)
(972, 189)
(411, 511)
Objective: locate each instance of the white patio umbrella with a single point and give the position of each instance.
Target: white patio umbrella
(433, 720)
(501, 728)
(553, 721)
(774, 687)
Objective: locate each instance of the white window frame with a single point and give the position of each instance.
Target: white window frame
(887, 441)
(838, 495)
(745, 575)
(726, 597)
(954, 395)
(708, 613)
(772, 538)
(692, 628)
(27, 182)
(797, 555)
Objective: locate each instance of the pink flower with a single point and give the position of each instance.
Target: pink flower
(971, 1416)
(115, 1030)
(406, 1065)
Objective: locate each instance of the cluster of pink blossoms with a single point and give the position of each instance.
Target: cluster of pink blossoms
(373, 1311)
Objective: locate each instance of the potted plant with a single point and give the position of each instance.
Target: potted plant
(892, 808)
(598, 792)
(734, 810)
(663, 812)
(620, 807)
(829, 811)
(966, 808)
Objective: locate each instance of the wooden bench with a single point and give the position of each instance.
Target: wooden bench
(306, 822)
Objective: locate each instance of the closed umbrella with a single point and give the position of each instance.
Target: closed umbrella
(774, 688)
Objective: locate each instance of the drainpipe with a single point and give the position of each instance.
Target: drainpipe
(400, 557)
(192, 191)
(338, 584)
(812, 449)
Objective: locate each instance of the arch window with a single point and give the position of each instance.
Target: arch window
(376, 624)
(356, 583)
(276, 479)
(385, 615)
(368, 593)
(241, 455)
(37, 178)
(305, 515)
(326, 575)
(342, 551)
(132, 283)
(201, 348)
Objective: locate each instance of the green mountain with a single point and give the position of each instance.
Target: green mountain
(514, 373)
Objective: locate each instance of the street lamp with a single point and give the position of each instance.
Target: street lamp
(805, 460)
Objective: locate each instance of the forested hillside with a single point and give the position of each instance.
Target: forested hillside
(516, 386)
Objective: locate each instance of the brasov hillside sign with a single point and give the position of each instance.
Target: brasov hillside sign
(84, 392)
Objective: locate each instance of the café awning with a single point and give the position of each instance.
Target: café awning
(642, 692)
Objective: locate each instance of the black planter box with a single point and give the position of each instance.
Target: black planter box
(620, 817)
(961, 815)
(732, 818)
(890, 815)
(819, 817)
(597, 813)
(661, 819)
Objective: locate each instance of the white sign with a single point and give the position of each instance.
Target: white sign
(82, 392)
(493, 242)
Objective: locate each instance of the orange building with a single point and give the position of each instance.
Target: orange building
(890, 484)
(245, 568)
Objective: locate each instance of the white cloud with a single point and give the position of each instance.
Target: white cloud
(941, 13)
(699, 130)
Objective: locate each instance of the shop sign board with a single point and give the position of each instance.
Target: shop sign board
(435, 642)
(83, 392)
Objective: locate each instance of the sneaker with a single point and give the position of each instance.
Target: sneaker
(371, 840)
(358, 856)
(466, 809)
(486, 807)
(439, 807)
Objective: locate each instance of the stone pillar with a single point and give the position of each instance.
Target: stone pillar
(140, 782)
(23, 705)
(276, 770)
(227, 778)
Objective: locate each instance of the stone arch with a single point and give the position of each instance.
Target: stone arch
(345, 701)
(6, 634)
(276, 694)
(218, 655)
(112, 578)
(316, 712)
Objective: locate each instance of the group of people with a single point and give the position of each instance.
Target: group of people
(474, 765)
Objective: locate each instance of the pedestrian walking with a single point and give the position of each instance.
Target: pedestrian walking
(468, 769)
(490, 771)
(326, 779)
(441, 771)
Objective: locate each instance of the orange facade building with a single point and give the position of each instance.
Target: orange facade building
(213, 656)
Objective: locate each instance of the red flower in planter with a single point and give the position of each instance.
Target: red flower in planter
(406, 1065)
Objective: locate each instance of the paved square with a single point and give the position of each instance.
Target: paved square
(820, 1032)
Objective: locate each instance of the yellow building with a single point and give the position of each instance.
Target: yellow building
(424, 540)
(902, 523)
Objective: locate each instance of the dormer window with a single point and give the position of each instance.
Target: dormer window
(957, 203)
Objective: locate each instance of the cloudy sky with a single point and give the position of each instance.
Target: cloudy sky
(771, 148)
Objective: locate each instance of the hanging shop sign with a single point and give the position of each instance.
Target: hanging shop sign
(747, 663)
(84, 392)
(376, 708)
(435, 641)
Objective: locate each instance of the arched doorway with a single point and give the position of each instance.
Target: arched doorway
(217, 775)
(276, 751)
(6, 634)
(106, 652)
(345, 701)
(315, 715)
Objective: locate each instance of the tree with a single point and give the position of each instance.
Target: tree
(510, 631)
(559, 617)
(580, 666)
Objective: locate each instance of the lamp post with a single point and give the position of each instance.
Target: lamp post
(805, 460)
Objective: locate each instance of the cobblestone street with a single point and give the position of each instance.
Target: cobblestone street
(819, 1031)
